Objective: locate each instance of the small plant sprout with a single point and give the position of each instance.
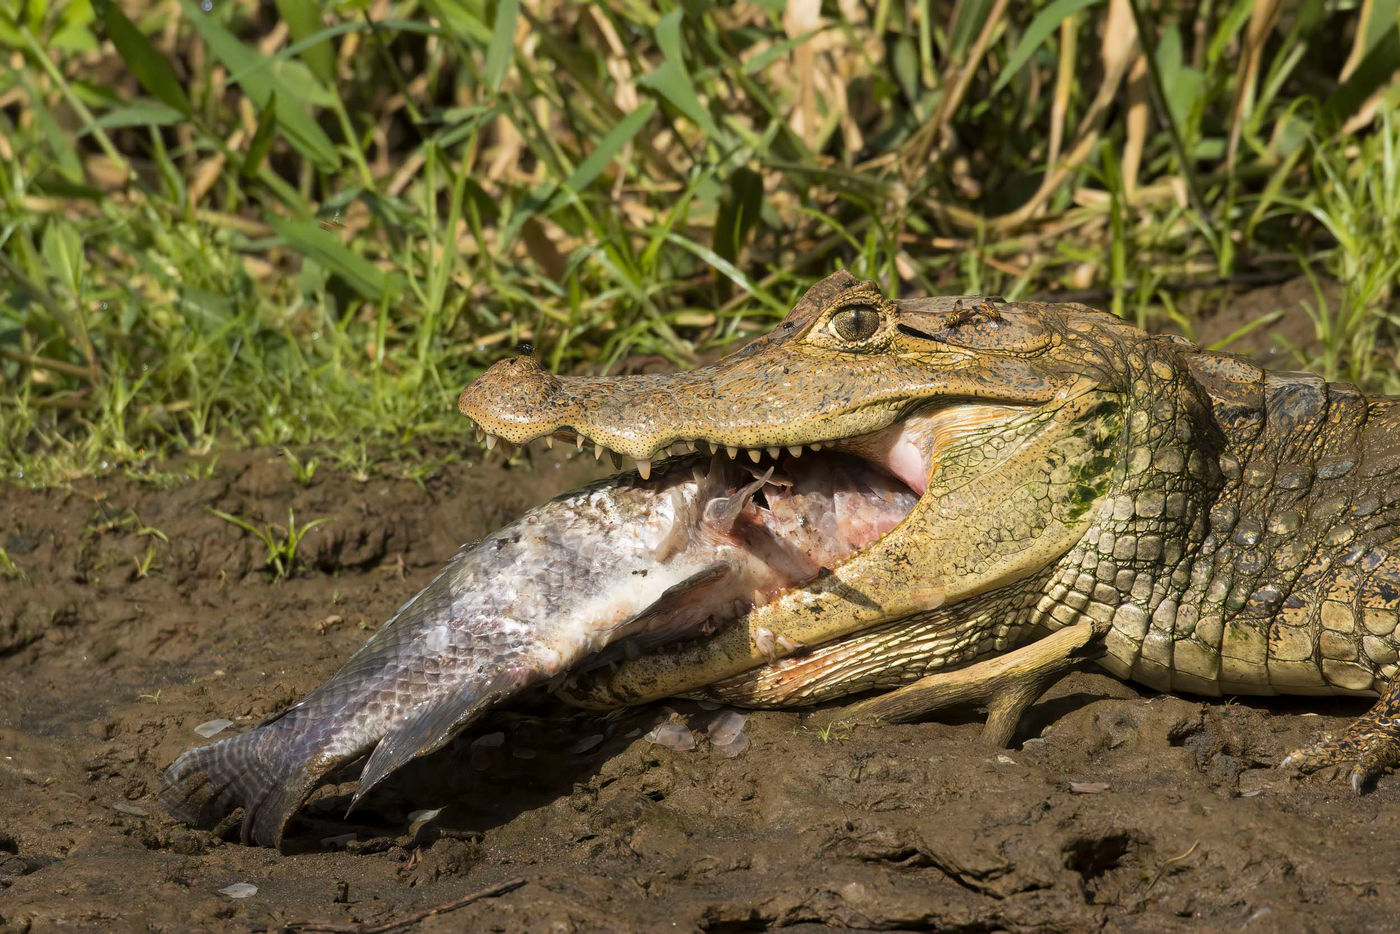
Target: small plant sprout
(9, 569)
(834, 732)
(281, 542)
(202, 469)
(145, 565)
(303, 472)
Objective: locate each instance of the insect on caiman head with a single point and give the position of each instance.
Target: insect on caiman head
(1013, 424)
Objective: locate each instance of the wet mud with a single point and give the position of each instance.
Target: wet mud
(133, 614)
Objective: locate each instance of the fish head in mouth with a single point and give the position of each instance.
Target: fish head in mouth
(1006, 426)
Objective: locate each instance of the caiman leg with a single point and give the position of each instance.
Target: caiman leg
(1006, 684)
(1372, 743)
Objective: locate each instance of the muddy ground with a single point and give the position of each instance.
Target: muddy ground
(141, 614)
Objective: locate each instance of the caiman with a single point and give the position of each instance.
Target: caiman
(926, 502)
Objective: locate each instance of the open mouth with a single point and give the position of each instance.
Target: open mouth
(762, 521)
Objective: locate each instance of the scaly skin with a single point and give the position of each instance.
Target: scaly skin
(1221, 529)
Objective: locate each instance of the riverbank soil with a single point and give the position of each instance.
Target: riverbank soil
(132, 613)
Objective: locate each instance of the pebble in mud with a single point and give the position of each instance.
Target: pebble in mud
(586, 744)
(484, 750)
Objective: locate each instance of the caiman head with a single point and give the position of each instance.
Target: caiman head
(1017, 425)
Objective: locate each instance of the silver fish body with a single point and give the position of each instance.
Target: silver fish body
(624, 563)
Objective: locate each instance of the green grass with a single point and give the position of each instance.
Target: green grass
(278, 224)
(281, 542)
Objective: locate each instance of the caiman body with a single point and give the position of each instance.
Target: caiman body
(1211, 527)
(929, 502)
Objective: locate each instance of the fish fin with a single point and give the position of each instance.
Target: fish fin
(255, 771)
(430, 728)
(657, 608)
(650, 629)
(723, 511)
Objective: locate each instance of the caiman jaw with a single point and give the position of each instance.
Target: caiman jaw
(643, 418)
(907, 449)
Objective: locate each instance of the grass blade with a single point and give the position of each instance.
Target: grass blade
(309, 238)
(1376, 68)
(301, 131)
(672, 81)
(147, 64)
(551, 198)
(1045, 23)
(303, 18)
(262, 139)
(138, 113)
(502, 43)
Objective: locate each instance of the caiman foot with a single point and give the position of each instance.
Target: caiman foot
(1007, 685)
(1372, 744)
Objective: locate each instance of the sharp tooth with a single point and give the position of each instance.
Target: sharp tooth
(774, 452)
(732, 451)
(549, 442)
(816, 447)
(685, 447)
(597, 451)
(765, 642)
(795, 450)
(790, 644)
(644, 468)
(755, 455)
(578, 442)
(490, 442)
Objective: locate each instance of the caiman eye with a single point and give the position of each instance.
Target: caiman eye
(856, 323)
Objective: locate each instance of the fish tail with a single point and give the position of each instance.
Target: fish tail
(258, 771)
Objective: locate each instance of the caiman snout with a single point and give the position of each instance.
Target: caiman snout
(637, 415)
(514, 393)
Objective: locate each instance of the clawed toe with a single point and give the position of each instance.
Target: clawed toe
(1309, 759)
(1370, 752)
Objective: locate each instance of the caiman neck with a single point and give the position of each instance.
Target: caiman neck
(1253, 508)
(1131, 572)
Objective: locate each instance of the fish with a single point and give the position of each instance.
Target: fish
(623, 566)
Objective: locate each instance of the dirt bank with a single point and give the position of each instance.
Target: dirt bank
(140, 614)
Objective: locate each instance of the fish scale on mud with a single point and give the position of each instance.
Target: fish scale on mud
(1002, 491)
